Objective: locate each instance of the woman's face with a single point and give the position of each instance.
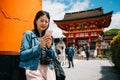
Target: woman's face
(42, 23)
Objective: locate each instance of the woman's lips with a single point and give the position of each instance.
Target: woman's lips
(42, 26)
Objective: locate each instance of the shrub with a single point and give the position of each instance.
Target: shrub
(115, 49)
(108, 55)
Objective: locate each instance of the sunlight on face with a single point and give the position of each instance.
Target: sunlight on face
(42, 23)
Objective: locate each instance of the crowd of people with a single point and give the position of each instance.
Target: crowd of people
(84, 51)
(66, 53)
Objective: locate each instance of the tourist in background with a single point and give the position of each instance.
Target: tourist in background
(87, 51)
(70, 54)
(83, 54)
(62, 57)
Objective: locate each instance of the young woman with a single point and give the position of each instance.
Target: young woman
(35, 45)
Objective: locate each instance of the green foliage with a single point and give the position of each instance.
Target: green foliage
(107, 55)
(112, 31)
(115, 48)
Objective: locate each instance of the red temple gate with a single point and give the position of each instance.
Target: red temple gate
(84, 25)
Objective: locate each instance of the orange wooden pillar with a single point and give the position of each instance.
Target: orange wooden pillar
(99, 48)
(16, 16)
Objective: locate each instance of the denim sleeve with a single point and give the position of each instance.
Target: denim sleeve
(27, 51)
(52, 51)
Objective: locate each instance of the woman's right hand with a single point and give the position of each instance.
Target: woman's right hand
(43, 41)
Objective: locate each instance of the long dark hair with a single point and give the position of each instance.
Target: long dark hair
(38, 15)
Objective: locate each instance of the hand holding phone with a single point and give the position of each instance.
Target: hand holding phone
(48, 38)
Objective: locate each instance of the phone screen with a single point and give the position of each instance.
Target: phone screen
(49, 32)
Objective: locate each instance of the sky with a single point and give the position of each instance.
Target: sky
(58, 8)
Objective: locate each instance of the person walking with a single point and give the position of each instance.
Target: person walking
(70, 54)
(87, 51)
(38, 50)
(80, 48)
(83, 55)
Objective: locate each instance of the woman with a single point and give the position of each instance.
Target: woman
(62, 58)
(36, 43)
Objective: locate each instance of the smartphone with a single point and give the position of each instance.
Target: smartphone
(49, 32)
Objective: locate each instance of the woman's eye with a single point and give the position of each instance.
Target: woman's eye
(46, 21)
(43, 21)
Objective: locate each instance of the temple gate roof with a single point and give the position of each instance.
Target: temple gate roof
(84, 14)
(87, 17)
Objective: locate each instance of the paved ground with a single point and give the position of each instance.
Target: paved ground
(91, 70)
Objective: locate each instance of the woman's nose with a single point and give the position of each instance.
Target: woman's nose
(43, 22)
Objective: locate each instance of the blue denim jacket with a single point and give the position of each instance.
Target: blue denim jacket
(30, 51)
